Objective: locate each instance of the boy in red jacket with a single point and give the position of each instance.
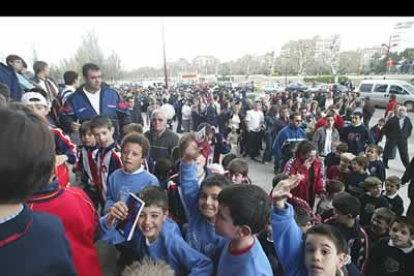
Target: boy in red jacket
(79, 219)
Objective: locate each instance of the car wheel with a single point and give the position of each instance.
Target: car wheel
(409, 106)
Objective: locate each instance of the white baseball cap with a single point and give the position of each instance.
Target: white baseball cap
(34, 98)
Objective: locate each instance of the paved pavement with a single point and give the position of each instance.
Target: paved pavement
(262, 175)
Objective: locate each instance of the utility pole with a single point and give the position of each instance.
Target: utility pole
(165, 58)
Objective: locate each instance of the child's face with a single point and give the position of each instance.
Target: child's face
(224, 223)
(344, 164)
(321, 257)
(236, 178)
(343, 219)
(88, 139)
(390, 188)
(356, 167)
(131, 156)
(151, 220)
(375, 191)
(378, 224)
(400, 235)
(40, 110)
(208, 203)
(103, 136)
(372, 154)
(306, 227)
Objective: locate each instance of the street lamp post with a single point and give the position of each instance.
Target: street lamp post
(387, 53)
(165, 58)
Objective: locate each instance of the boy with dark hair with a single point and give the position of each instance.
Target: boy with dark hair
(71, 84)
(357, 176)
(238, 171)
(324, 206)
(395, 202)
(243, 212)
(225, 162)
(347, 209)
(377, 132)
(202, 206)
(157, 236)
(107, 158)
(375, 167)
(38, 238)
(132, 177)
(334, 158)
(371, 199)
(85, 168)
(163, 170)
(357, 136)
(380, 225)
(394, 255)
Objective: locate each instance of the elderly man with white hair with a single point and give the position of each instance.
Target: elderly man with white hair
(162, 140)
(398, 129)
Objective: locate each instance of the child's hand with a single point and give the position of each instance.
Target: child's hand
(282, 190)
(118, 211)
(60, 160)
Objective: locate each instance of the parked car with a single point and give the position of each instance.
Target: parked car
(296, 86)
(319, 87)
(380, 90)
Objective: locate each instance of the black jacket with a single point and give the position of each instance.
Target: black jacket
(393, 131)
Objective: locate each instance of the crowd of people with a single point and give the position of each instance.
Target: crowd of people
(332, 209)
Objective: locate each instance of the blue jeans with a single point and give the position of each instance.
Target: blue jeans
(267, 156)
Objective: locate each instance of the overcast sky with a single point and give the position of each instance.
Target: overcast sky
(138, 40)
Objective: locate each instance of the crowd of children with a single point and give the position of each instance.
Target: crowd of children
(198, 219)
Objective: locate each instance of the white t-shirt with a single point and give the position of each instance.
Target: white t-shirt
(328, 142)
(95, 99)
(186, 111)
(328, 103)
(254, 120)
(235, 121)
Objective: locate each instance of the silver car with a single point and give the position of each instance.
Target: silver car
(380, 90)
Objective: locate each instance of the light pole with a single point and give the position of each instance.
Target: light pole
(387, 48)
(165, 58)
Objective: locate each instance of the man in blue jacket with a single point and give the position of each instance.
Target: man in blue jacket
(93, 99)
(286, 141)
(9, 77)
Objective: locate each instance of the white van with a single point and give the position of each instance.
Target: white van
(380, 90)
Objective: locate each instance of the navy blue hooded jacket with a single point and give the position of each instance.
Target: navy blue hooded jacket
(8, 76)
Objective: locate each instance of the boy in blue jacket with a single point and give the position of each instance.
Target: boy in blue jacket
(157, 237)
(323, 251)
(201, 202)
(132, 177)
(243, 212)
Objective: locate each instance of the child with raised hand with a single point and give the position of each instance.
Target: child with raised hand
(323, 252)
(202, 204)
(394, 256)
(156, 236)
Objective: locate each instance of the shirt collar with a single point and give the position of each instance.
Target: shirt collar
(140, 170)
(12, 216)
(405, 250)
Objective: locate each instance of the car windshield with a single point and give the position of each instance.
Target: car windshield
(409, 87)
